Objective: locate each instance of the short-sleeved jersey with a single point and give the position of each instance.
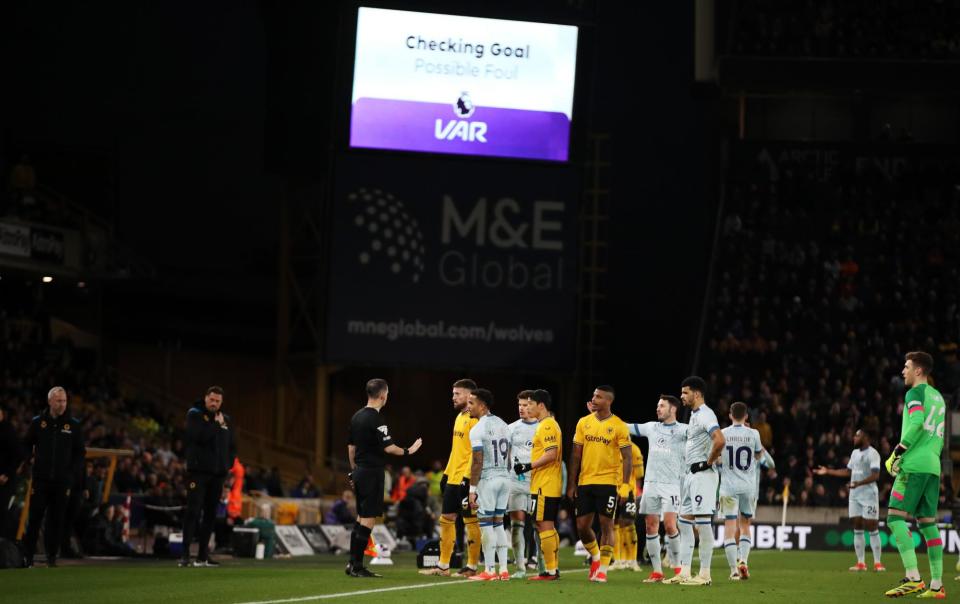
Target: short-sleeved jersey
(863, 463)
(602, 441)
(924, 414)
(703, 423)
(521, 442)
(738, 460)
(458, 465)
(636, 465)
(490, 435)
(370, 435)
(668, 443)
(547, 480)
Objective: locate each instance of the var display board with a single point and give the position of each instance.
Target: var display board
(450, 263)
(439, 83)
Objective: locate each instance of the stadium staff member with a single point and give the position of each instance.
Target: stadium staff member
(56, 440)
(368, 441)
(211, 450)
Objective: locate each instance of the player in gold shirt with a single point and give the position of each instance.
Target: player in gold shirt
(546, 480)
(627, 517)
(455, 487)
(600, 468)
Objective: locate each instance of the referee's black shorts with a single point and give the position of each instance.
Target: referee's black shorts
(456, 499)
(368, 486)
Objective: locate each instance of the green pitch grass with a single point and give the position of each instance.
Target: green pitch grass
(794, 577)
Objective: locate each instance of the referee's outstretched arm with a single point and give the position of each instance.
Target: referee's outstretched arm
(395, 450)
(392, 449)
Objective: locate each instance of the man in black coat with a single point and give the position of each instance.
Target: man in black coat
(210, 453)
(56, 441)
(11, 456)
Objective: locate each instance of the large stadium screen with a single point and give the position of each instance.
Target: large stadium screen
(464, 85)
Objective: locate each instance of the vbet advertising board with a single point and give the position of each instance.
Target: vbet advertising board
(463, 85)
(827, 537)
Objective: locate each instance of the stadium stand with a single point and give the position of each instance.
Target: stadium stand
(824, 280)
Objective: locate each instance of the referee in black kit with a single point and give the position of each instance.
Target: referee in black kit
(369, 440)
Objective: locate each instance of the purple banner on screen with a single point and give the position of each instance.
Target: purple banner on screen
(437, 128)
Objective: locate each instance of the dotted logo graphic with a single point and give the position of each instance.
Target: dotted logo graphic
(464, 106)
(393, 236)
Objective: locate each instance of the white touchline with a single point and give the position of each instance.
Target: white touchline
(364, 592)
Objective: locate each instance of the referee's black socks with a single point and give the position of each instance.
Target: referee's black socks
(358, 544)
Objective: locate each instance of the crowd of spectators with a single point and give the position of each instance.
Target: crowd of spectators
(822, 284)
(852, 29)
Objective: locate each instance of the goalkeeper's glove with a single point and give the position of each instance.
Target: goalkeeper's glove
(700, 466)
(895, 459)
(624, 492)
(522, 468)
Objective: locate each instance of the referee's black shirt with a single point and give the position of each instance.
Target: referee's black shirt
(369, 434)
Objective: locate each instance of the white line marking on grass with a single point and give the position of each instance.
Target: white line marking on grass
(361, 592)
(364, 592)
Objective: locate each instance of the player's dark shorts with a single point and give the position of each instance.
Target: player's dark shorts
(368, 485)
(597, 499)
(627, 509)
(456, 499)
(544, 508)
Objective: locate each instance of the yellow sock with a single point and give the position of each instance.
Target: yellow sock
(606, 552)
(593, 549)
(632, 542)
(549, 545)
(617, 543)
(448, 534)
(472, 528)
